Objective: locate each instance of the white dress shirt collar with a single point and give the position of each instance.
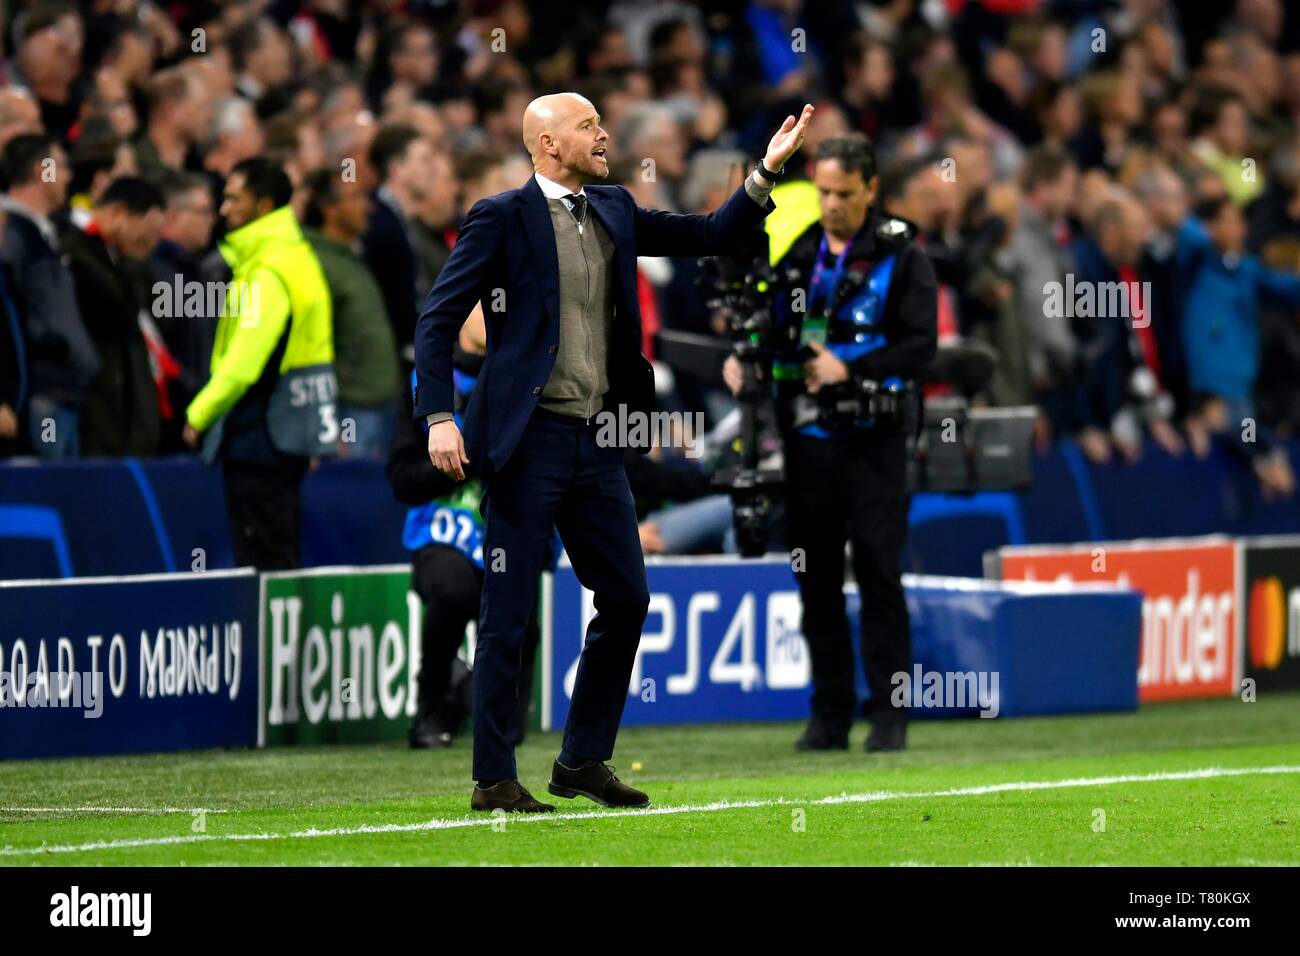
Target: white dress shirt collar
(552, 189)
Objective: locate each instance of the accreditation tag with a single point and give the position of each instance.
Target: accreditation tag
(813, 329)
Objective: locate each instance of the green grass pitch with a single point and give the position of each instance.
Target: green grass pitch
(1205, 783)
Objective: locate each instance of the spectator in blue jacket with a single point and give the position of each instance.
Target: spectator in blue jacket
(1222, 285)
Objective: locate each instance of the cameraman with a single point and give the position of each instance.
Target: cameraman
(860, 308)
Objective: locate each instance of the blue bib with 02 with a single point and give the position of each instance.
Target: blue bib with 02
(856, 327)
(446, 521)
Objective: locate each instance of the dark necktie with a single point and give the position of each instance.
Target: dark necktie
(577, 205)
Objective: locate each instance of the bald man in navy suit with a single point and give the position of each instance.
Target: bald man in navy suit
(554, 264)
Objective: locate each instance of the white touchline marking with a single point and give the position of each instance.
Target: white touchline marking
(142, 810)
(514, 819)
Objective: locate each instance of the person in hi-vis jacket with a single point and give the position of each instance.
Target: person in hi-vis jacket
(268, 408)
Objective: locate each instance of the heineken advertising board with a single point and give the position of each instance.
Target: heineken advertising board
(341, 655)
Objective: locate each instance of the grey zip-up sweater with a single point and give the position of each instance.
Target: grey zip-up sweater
(580, 377)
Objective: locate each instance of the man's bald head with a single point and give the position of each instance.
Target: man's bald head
(544, 114)
(562, 134)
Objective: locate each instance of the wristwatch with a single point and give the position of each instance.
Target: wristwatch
(768, 174)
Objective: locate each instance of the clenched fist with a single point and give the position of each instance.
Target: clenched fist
(447, 449)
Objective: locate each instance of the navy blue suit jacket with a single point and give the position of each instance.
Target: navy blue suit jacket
(507, 243)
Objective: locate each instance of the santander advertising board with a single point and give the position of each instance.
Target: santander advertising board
(1190, 641)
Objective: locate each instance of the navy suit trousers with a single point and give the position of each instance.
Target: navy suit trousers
(557, 477)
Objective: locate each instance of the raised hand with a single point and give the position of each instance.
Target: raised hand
(787, 139)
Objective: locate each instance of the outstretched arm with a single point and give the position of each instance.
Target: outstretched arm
(670, 234)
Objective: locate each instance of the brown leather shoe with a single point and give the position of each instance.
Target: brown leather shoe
(508, 795)
(595, 781)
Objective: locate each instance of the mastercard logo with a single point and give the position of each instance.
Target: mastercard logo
(1267, 623)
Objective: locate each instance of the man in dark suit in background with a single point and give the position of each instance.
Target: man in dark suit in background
(404, 164)
(109, 267)
(554, 265)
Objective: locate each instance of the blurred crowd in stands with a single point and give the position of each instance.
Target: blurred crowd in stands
(1110, 191)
